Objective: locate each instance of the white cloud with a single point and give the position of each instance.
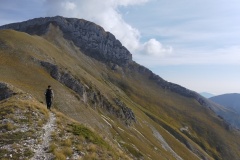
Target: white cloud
(154, 47)
(68, 5)
(222, 56)
(105, 13)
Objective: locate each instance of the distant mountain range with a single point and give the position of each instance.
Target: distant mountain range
(230, 101)
(106, 106)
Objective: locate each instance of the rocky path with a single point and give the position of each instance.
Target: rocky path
(41, 152)
(164, 143)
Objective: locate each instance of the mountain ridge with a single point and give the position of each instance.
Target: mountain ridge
(89, 37)
(231, 102)
(79, 24)
(86, 88)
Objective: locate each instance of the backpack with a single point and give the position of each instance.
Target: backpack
(48, 93)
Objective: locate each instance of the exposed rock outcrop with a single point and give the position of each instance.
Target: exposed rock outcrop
(92, 39)
(88, 94)
(5, 91)
(125, 112)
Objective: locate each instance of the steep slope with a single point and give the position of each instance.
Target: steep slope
(29, 131)
(21, 66)
(230, 108)
(231, 101)
(145, 116)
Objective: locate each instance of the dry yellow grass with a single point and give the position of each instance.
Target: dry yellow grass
(163, 109)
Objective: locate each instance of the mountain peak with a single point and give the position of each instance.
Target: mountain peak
(97, 84)
(91, 39)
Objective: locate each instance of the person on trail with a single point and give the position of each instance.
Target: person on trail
(49, 97)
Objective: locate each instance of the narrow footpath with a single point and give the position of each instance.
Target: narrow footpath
(41, 152)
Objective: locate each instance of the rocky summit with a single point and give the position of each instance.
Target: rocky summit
(89, 37)
(106, 106)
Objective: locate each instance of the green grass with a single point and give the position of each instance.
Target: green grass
(71, 135)
(133, 151)
(161, 108)
(80, 130)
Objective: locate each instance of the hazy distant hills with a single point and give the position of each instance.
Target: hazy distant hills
(206, 94)
(230, 101)
(111, 107)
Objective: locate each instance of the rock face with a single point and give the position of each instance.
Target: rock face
(125, 112)
(95, 42)
(92, 39)
(5, 91)
(88, 94)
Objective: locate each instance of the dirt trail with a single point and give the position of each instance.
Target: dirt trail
(41, 152)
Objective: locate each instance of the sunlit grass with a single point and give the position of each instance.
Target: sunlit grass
(159, 107)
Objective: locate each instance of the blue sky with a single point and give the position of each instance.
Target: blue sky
(192, 43)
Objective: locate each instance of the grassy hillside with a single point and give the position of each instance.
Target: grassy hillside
(168, 126)
(22, 122)
(176, 113)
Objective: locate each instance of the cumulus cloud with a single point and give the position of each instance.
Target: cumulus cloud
(105, 13)
(154, 47)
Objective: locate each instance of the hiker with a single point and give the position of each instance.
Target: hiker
(49, 97)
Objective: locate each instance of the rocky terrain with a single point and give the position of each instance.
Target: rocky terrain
(106, 106)
(95, 42)
(29, 131)
(89, 37)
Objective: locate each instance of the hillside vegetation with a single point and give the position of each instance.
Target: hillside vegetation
(105, 110)
(22, 133)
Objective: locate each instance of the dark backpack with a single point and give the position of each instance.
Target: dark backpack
(49, 93)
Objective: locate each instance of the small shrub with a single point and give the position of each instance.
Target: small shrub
(79, 147)
(89, 135)
(40, 123)
(52, 147)
(58, 121)
(28, 153)
(59, 155)
(67, 151)
(67, 142)
(9, 126)
(92, 148)
(91, 156)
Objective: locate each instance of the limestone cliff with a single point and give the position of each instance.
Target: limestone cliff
(92, 39)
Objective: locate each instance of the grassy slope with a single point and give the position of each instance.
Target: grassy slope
(18, 68)
(25, 118)
(204, 127)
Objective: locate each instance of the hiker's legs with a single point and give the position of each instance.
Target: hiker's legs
(49, 103)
